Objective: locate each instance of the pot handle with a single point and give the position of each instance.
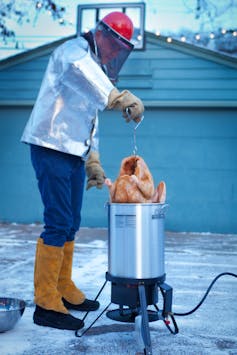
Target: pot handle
(160, 211)
(106, 204)
(164, 209)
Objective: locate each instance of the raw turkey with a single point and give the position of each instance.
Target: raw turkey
(135, 184)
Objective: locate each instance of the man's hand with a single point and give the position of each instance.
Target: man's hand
(131, 106)
(95, 173)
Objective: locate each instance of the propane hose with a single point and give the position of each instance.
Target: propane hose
(205, 295)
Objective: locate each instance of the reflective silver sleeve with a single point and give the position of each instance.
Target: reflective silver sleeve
(95, 83)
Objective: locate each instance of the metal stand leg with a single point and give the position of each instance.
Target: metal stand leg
(90, 326)
(97, 296)
(167, 293)
(145, 332)
(105, 309)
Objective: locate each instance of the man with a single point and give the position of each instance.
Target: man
(62, 133)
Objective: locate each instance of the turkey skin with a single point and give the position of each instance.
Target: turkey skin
(135, 184)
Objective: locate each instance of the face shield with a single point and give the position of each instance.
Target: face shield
(112, 49)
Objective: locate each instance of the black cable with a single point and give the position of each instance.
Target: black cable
(204, 297)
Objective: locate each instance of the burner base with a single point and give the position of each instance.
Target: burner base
(128, 315)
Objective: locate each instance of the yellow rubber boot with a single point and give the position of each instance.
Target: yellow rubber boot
(48, 264)
(73, 297)
(66, 286)
(50, 310)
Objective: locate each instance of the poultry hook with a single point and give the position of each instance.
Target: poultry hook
(134, 132)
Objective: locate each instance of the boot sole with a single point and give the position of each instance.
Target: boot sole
(46, 323)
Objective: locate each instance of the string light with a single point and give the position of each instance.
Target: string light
(198, 36)
(39, 5)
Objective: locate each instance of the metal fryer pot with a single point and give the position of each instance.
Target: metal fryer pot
(136, 240)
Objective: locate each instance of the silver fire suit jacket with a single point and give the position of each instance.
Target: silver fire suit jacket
(74, 88)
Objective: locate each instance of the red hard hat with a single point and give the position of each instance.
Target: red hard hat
(120, 23)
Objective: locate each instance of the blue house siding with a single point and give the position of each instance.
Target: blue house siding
(166, 75)
(188, 137)
(22, 81)
(18, 186)
(195, 155)
(196, 158)
(162, 75)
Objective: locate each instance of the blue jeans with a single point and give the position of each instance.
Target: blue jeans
(61, 179)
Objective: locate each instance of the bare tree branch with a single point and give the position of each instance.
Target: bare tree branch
(20, 12)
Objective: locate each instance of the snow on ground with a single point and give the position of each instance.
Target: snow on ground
(192, 262)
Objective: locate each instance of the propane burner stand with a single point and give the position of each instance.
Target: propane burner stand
(133, 297)
(125, 292)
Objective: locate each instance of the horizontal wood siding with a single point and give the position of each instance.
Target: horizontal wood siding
(22, 81)
(159, 74)
(18, 187)
(192, 149)
(169, 75)
(194, 152)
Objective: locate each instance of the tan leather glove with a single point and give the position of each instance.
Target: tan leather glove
(131, 106)
(95, 173)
